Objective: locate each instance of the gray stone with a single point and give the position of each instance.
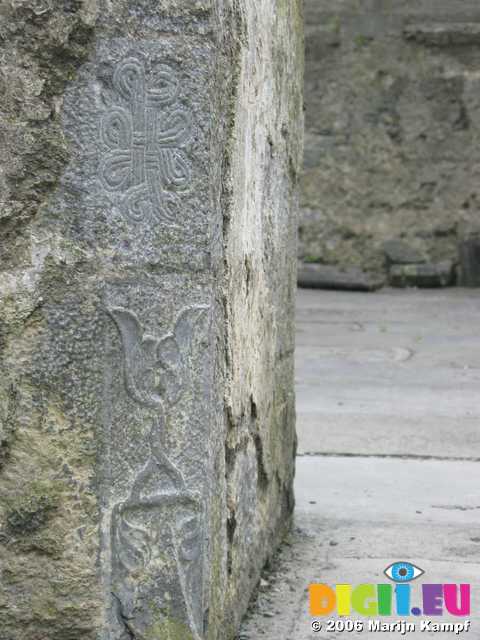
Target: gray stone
(440, 274)
(319, 276)
(147, 412)
(470, 262)
(399, 252)
(391, 129)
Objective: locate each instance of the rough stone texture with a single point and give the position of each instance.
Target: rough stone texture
(147, 233)
(392, 129)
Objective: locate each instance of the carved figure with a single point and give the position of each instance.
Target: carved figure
(157, 547)
(156, 369)
(156, 533)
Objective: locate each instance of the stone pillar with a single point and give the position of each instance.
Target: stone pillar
(147, 243)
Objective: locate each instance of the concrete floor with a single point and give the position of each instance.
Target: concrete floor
(388, 404)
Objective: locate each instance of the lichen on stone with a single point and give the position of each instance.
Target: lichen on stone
(31, 509)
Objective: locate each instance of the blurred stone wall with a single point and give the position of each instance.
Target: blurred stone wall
(392, 130)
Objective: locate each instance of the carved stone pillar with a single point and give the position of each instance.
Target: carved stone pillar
(146, 327)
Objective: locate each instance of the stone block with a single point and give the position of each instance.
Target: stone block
(470, 262)
(319, 276)
(149, 175)
(400, 252)
(449, 34)
(438, 274)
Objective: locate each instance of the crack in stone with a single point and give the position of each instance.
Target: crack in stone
(122, 618)
(453, 507)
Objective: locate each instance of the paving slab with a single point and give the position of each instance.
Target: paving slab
(352, 490)
(391, 373)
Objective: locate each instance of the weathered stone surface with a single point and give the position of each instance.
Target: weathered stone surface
(319, 276)
(470, 261)
(392, 129)
(440, 274)
(148, 190)
(399, 252)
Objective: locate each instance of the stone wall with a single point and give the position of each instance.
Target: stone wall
(392, 129)
(147, 239)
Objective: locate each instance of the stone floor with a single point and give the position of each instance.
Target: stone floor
(388, 401)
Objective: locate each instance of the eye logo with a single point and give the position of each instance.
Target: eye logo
(403, 572)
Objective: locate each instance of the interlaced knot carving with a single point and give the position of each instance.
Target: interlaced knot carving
(144, 138)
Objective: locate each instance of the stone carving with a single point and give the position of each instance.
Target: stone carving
(156, 369)
(156, 533)
(157, 548)
(144, 136)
